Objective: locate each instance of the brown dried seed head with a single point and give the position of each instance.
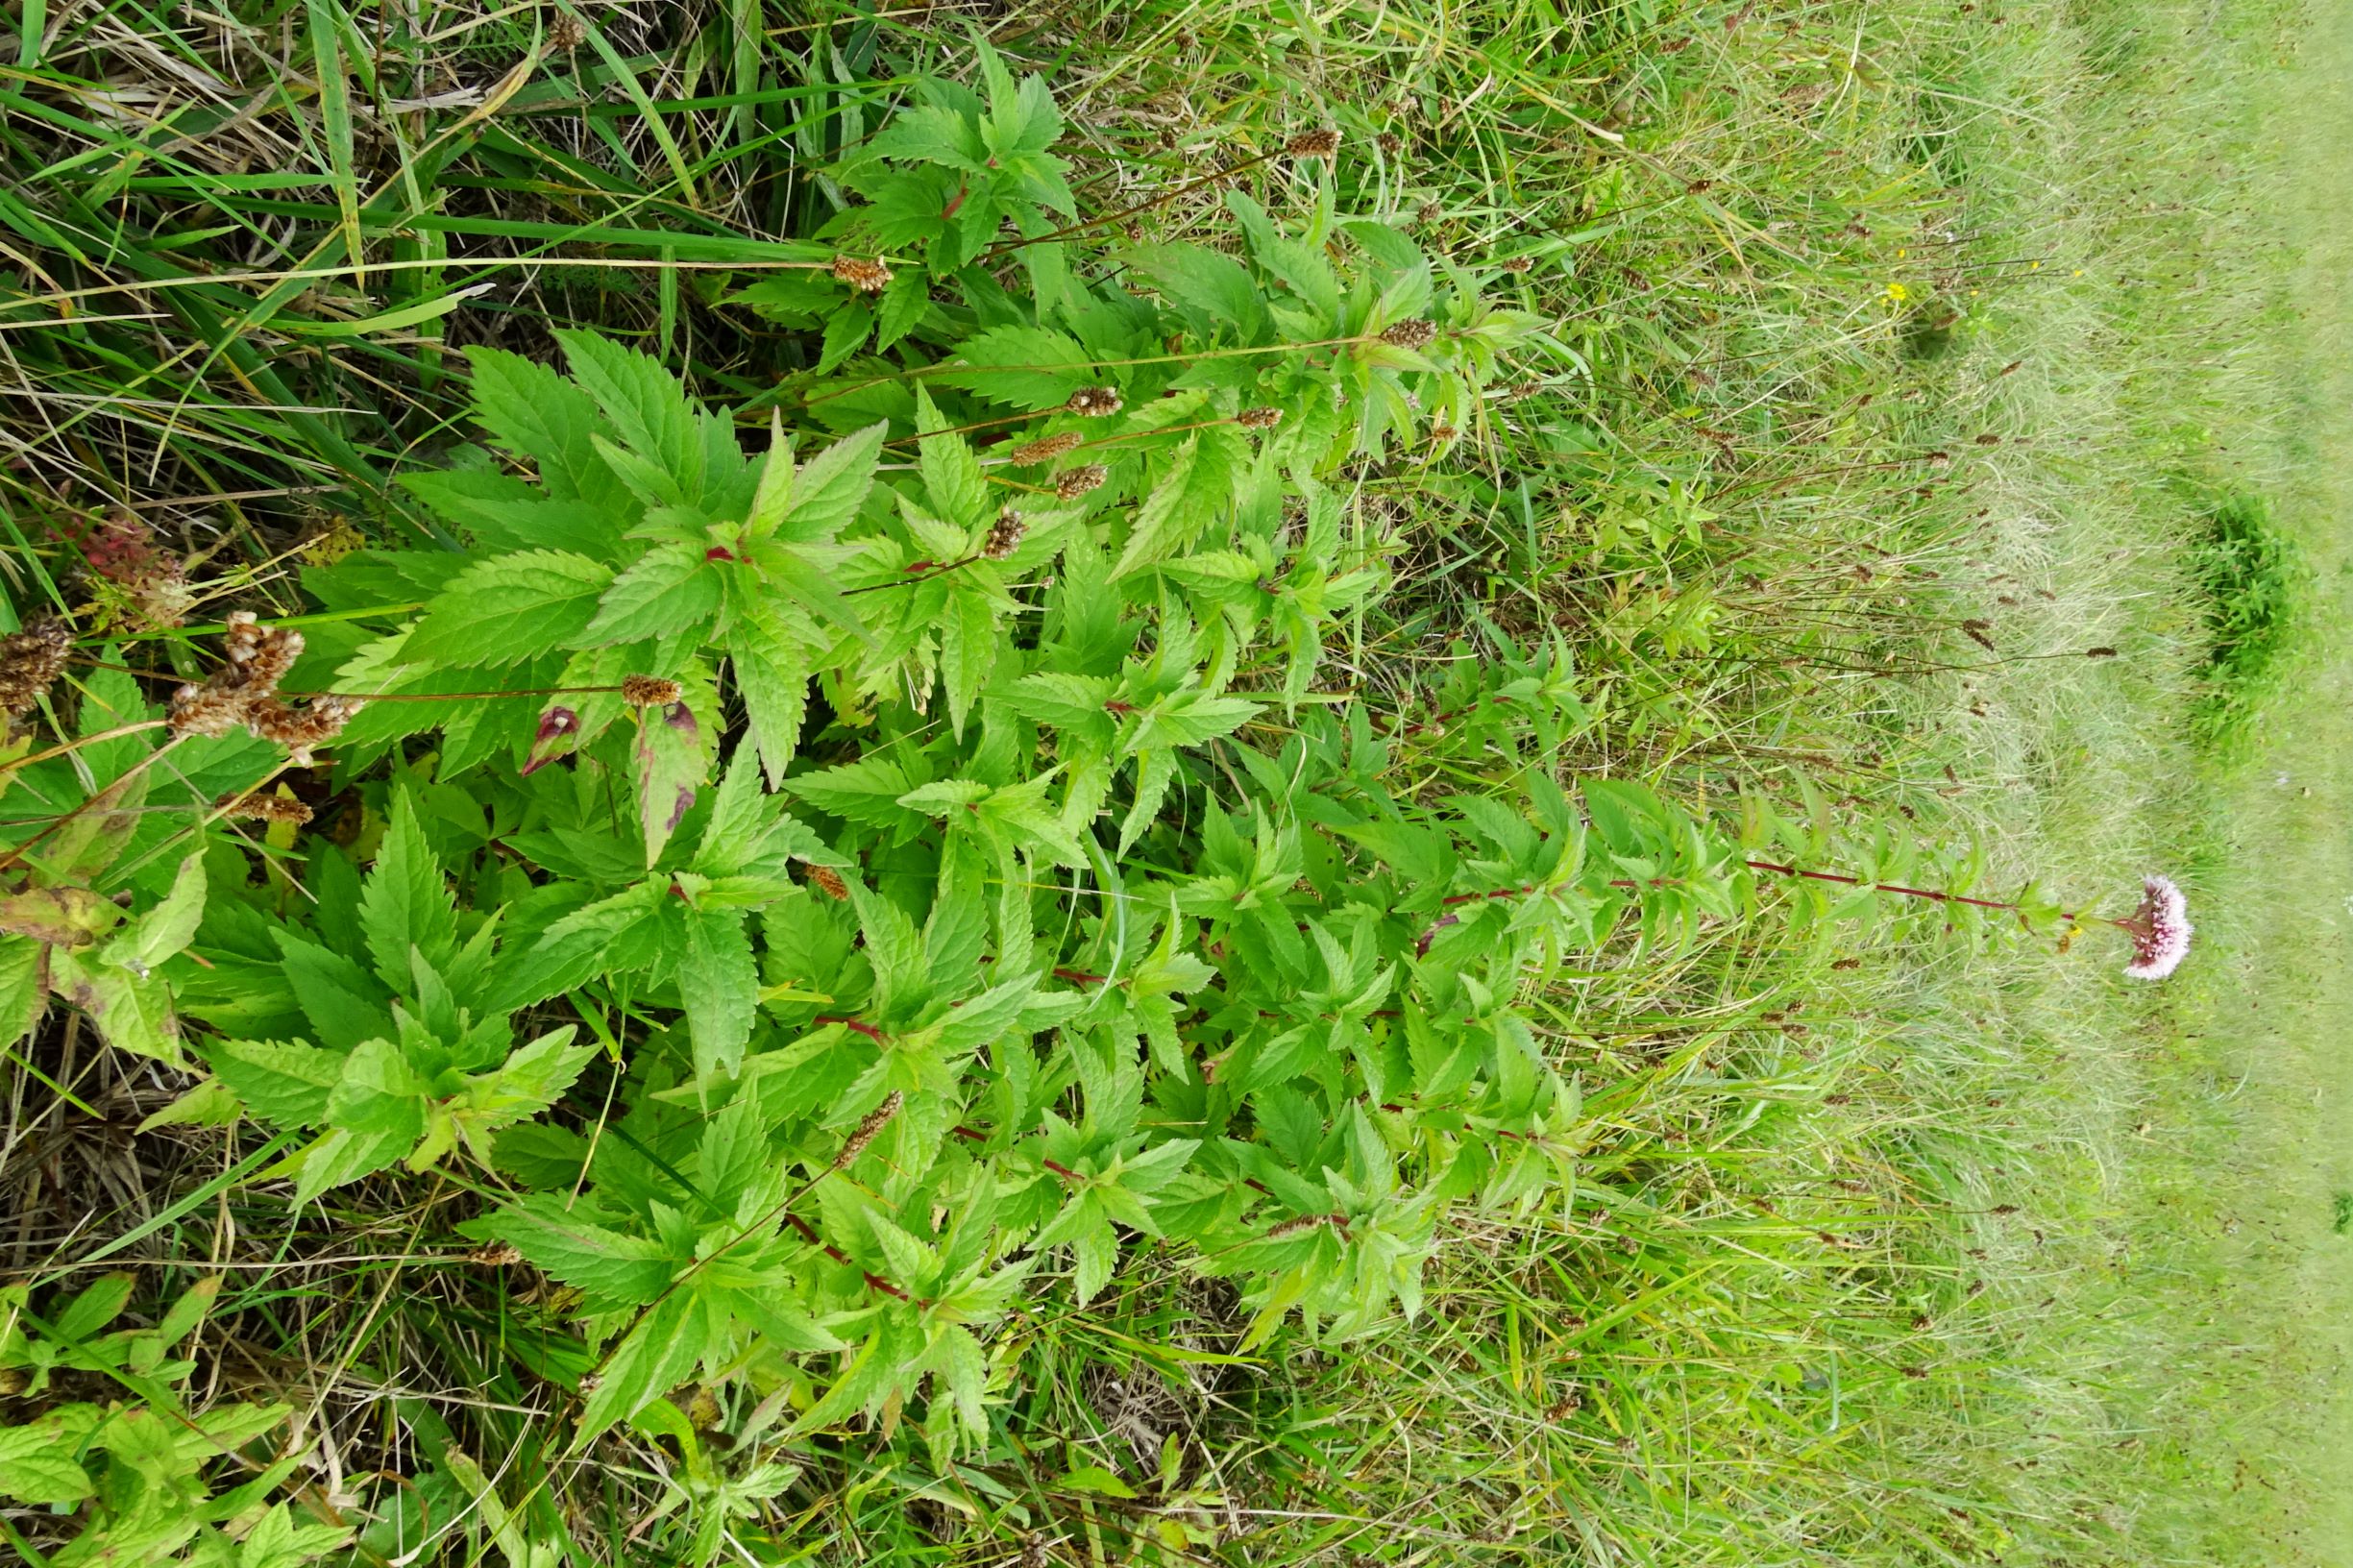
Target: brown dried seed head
(270, 658)
(1314, 144)
(1391, 143)
(1259, 418)
(264, 808)
(870, 1128)
(1416, 334)
(647, 690)
(1079, 482)
(1034, 1552)
(1095, 401)
(566, 33)
(1004, 535)
(1301, 1222)
(1519, 265)
(829, 881)
(1045, 449)
(207, 710)
(30, 661)
(865, 276)
(300, 729)
(495, 1254)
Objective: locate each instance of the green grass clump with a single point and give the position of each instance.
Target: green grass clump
(2256, 586)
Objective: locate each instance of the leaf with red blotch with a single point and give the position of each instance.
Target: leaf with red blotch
(669, 772)
(553, 738)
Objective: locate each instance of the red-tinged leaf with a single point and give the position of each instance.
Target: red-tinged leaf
(669, 772)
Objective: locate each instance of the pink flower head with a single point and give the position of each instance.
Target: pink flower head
(2160, 931)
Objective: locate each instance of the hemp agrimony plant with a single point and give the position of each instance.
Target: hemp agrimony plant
(832, 873)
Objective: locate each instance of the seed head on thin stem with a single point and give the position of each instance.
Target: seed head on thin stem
(301, 730)
(1004, 535)
(264, 808)
(256, 661)
(1313, 144)
(868, 1128)
(829, 881)
(30, 661)
(1413, 333)
(647, 690)
(1259, 418)
(1080, 481)
(1045, 449)
(860, 273)
(1095, 401)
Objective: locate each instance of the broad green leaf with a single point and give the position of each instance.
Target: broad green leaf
(539, 416)
(133, 1013)
(670, 768)
(671, 590)
(404, 903)
(1024, 367)
(612, 1269)
(720, 987)
(772, 674)
(167, 929)
(36, 1466)
(510, 608)
(951, 474)
(24, 986)
(652, 1359)
(285, 1085)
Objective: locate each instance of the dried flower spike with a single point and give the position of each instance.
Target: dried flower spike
(1313, 144)
(264, 808)
(1045, 449)
(566, 33)
(829, 881)
(30, 662)
(300, 729)
(2160, 930)
(1095, 401)
(256, 661)
(647, 690)
(1004, 535)
(869, 1129)
(1079, 482)
(1259, 418)
(865, 274)
(1416, 334)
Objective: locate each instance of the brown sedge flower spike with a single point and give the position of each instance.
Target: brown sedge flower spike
(1259, 418)
(1313, 144)
(1416, 334)
(1004, 535)
(869, 1129)
(649, 690)
(272, 809)
(864, 274)
(1095, 401)
(1080, 481)
(1045, 449)
(31, 661)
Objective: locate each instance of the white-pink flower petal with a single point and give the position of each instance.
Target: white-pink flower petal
(2160, 930)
